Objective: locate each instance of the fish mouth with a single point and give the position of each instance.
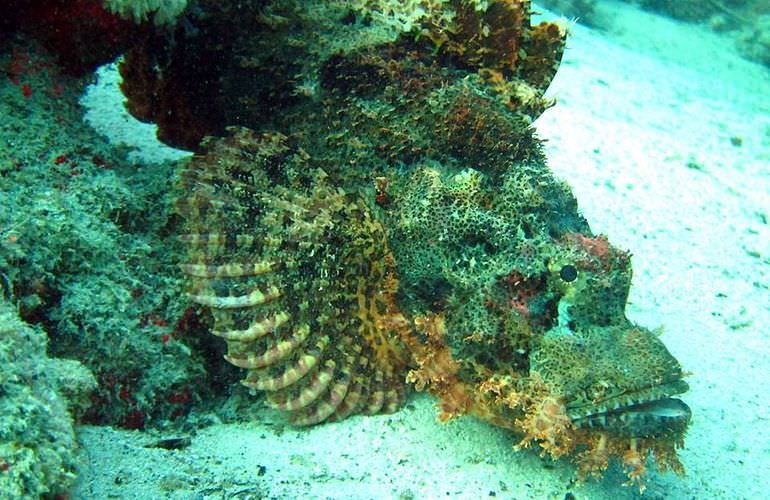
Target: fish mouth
(649, 412)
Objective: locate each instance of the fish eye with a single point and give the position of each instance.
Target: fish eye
(568, 273)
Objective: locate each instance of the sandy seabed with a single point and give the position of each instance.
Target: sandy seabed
(663, 132)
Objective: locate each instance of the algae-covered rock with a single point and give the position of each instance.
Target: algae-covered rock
(753, 39)
(83, 251)
(38, 449)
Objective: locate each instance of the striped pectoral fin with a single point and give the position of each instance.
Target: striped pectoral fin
(351, 404)
(227, 270)
(317, 385)
(256, 330)
(376, 398)
(218, 240)
(264, 381)
(394, 398)
(327, 404)
(357, 393)
(204, 239)
(252, 299)
(274, 354)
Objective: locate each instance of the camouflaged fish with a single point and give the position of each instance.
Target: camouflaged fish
(380, 215)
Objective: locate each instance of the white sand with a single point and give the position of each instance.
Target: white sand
(642, 133)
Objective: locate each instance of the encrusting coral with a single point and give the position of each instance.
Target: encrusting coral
(377, 210)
